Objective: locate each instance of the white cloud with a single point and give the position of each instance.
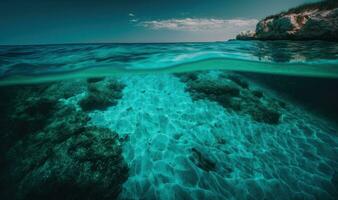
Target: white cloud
(200, 24)
(133, 20)
(131, 15)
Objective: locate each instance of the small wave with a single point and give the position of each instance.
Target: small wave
(25, 64)
(323, 70)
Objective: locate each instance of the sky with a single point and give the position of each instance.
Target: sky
(131, 21)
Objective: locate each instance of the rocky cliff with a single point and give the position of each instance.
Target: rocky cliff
(317, 21)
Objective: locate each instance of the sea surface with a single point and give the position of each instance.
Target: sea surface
(221, 120)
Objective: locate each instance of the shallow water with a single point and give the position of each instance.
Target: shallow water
(228, 120)
(59, 62)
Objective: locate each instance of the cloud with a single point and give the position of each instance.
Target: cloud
(133, 20)
(199, 24)
(131, 15)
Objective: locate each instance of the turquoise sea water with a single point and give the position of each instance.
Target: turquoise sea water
(225, 120)
(55, 62)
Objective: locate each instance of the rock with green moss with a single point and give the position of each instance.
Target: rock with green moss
(66, 89)
(32, 114)
(263, 114)
(239, 81)
(95, 79)
(102, 95)
(27, 109)
(232, 92)
(49, 151)
(67, 160)
(257, 93)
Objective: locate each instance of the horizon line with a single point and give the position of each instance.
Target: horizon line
(88, 43)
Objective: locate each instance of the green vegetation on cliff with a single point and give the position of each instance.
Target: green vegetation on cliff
(322, 5)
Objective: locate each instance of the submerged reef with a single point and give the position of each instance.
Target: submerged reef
(202, 135)
(101, 95)
(232, 92)
(51, 152)
(27, 109)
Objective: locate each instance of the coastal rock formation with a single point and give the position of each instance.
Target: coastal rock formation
(317, 21)
(246, 35)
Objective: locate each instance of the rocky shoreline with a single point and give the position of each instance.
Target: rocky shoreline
(316, 21)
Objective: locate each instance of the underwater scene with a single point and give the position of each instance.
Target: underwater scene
(218, 120)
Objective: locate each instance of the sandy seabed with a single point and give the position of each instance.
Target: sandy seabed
(180, 148)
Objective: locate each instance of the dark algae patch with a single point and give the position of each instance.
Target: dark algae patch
(49, 151)
(315, 94)
(233, 92)
(101, 94)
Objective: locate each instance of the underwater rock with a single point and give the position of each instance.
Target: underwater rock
(202, 161)
(49, 152)
(282, 104)
(101, 95)
(239, 81)
(262, 114)
(32, 114)
(263, 109)
(94, 80)
(24, 109)
(334, 180)
(185, 77)
(67, 160)
(27, 108)
(258, 94)
(216, 91)
(65, 89)
(231, 92)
